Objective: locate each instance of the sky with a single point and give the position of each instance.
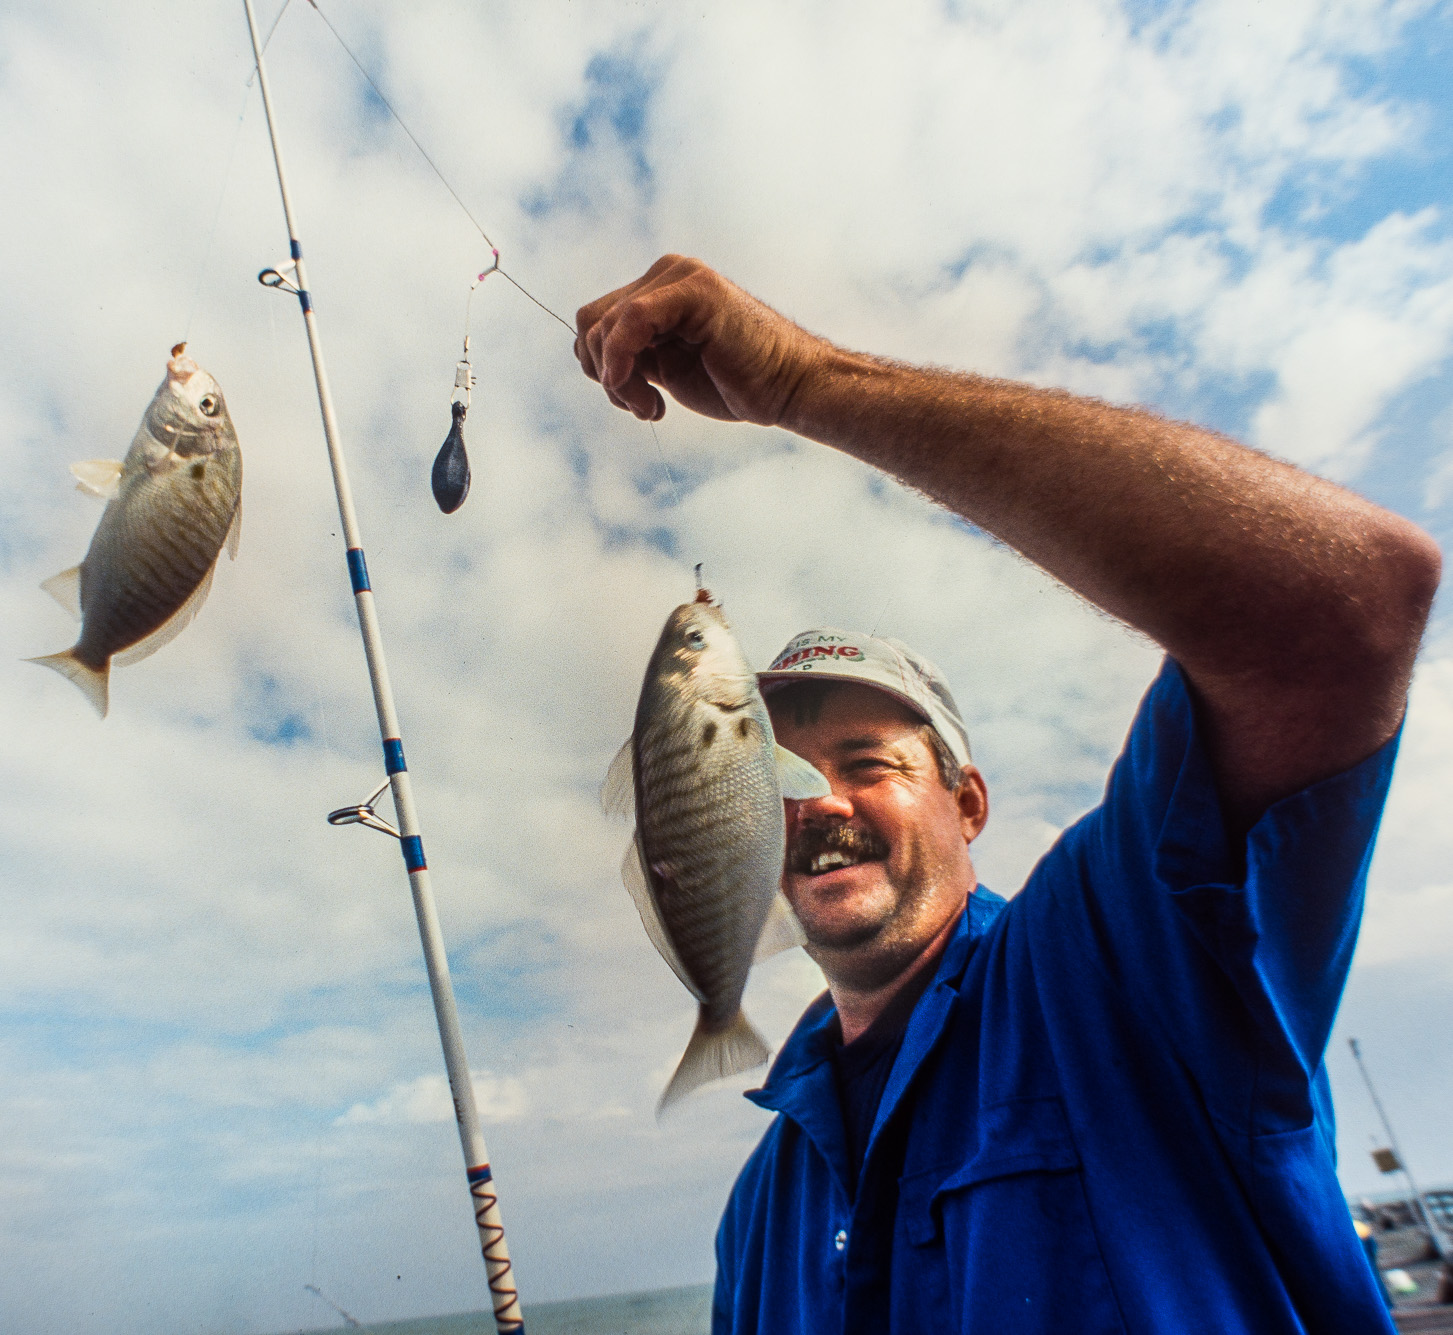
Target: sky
(220, 1078)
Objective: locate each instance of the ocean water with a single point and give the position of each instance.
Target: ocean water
(656, 1312)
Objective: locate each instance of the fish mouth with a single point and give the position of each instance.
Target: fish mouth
(180, 368)
(817, 850)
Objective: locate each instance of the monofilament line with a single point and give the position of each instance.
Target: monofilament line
(478, 226)
(669, 478)
(226, 179)
(434, 166)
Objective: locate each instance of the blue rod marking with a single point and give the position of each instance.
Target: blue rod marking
(296, 248)
(481, 1174)
(393, 755)
(414, 853)
(306, 299)
(358, 570)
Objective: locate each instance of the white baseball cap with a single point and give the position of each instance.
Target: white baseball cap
(840, 655)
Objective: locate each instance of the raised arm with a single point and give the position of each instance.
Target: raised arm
(1295, 606)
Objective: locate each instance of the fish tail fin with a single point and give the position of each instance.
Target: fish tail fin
(94, 682)
(714, 1055)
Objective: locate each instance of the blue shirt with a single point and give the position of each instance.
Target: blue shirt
(1109, 1112)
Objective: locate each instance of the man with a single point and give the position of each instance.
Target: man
(1100, 1107)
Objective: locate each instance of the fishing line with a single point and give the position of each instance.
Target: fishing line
(443, 180)
(226, 181)
(479, 227)
(669, 478)
(216, 218)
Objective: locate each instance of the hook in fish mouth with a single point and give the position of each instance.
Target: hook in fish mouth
(180, 368)
(822, 848)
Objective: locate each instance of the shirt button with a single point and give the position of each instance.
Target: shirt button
(840, 1239)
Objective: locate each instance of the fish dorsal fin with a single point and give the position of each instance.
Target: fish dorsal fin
(618, 792)
(98, 477)
(234, 534)
(780, 932)
(65, 588)
(633, 873)
(169, 629)
(798, 778)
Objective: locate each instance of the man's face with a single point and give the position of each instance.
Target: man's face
(876, 871)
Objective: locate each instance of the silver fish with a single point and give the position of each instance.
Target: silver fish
(172, 503)
(705, 780)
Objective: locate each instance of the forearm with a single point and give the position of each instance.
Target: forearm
(1263, 581)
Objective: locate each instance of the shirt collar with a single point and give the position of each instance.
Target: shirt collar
(809, 1046)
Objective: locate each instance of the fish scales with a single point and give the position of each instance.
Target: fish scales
(706, 781)
(712, 889)
(173, 537)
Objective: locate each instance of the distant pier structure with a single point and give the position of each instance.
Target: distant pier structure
(1406, 1254)
(1402, 1211)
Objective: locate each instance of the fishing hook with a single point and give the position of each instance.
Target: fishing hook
(364, 814)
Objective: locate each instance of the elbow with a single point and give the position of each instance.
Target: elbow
(1392, 606)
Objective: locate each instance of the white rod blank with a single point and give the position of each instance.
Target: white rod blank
(505, 1297)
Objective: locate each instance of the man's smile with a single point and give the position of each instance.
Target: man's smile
(818, 849)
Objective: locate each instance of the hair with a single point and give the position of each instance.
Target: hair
(805, 700)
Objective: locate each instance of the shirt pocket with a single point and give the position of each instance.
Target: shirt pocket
(1003, 1240)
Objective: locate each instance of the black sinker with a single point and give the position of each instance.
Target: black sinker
(450, 478)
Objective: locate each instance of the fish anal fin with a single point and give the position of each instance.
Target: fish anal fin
(234, 534)
(618, 792)
(714, 1054)
(93, 682)
(799, 779)
(633, 874)
(98, 477)
(170, 628)
(65, 588)
(780, 932)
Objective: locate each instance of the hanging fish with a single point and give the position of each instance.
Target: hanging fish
(706, 780)
(450, 478)
(172, 503)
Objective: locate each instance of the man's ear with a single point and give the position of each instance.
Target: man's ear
(973, 800)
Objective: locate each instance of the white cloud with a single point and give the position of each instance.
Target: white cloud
(1026, 189)
(427, 1099)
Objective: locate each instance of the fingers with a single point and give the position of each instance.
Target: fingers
(616, 334)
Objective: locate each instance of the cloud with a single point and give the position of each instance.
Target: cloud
(427, 1099)
(1137, 204)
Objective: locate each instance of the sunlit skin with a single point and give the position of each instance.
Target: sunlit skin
(873, 926)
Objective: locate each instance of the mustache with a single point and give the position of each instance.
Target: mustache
(808, 842)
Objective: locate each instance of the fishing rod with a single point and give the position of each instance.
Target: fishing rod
(291, 277)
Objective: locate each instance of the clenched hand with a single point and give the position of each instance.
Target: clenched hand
(714, 348)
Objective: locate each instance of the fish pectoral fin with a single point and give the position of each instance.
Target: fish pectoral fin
(98, 477)
(234, 534)
(780, 932)
(714, 1054)
(633, 874)
(799, 779)
(171, 627)
(65, 588)
(618, 792)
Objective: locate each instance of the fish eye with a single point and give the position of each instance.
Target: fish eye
(210, 405)
(695, 640)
